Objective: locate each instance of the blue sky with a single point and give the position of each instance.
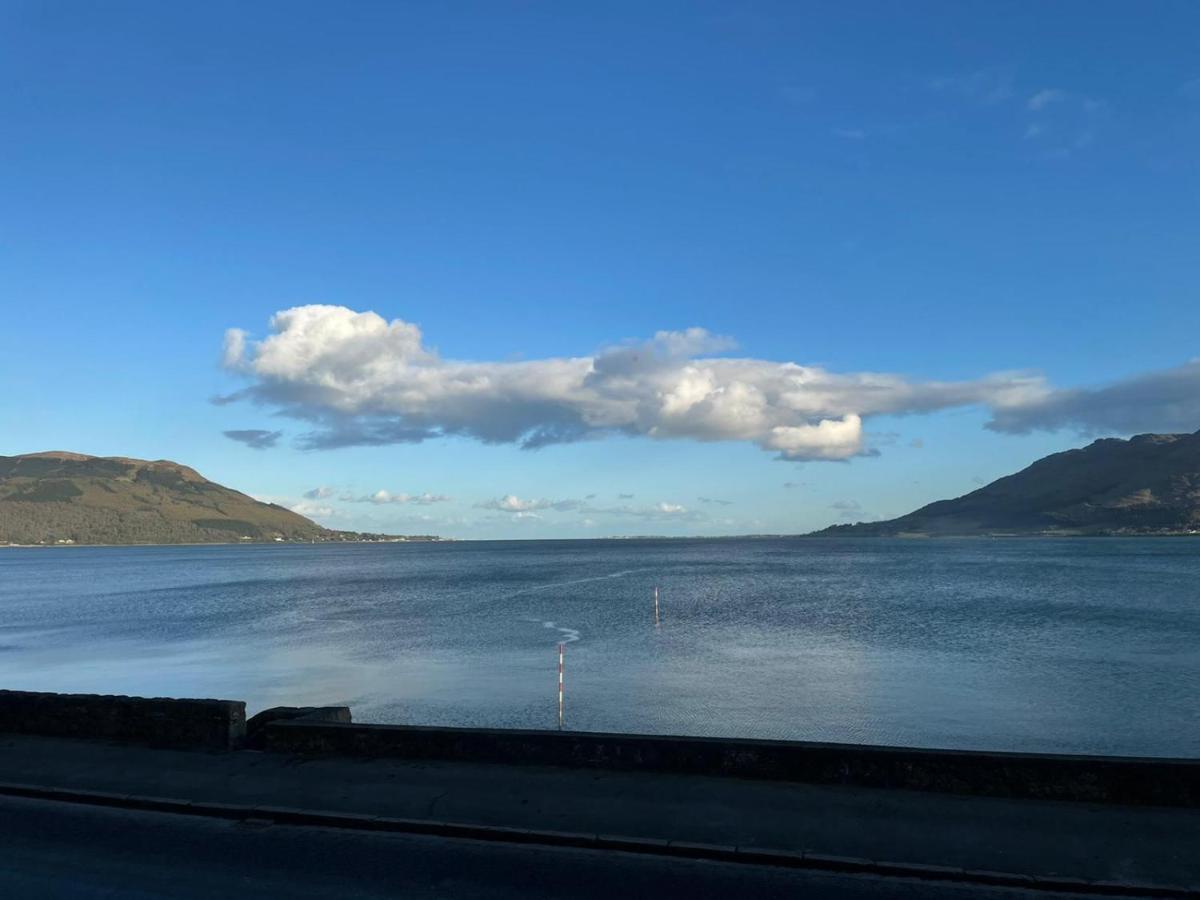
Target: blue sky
(946, 215)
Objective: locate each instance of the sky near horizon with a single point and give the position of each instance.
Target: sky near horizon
(494, 270)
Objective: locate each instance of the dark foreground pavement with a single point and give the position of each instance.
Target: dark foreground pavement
(1046, 840)
(63, 850)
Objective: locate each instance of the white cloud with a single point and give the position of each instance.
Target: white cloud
(234, 352)
(513, 503)
(311, 510)
(1044, 98)
(828, 439)
(382, 497)
(361, 379)
(531, 508)
(984, 86)
(1063, 123)
(319, 493)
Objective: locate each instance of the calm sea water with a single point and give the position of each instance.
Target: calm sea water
(1051, 645)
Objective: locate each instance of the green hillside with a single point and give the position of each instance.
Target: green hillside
(1149, 484)
(58, 497)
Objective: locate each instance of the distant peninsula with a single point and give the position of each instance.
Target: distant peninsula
(59, 498)
(1147, 485)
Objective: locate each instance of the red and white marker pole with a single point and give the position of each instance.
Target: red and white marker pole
(560, 687)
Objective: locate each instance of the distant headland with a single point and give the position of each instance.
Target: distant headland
(59, 498)
(1147, 485)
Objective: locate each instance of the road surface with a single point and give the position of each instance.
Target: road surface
(62, 850)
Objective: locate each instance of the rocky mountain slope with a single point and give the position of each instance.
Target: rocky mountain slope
(58, 497)
(1145, 485)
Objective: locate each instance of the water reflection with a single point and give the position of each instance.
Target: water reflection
(1085, 646)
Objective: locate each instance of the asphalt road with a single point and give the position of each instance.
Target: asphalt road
(62, 850)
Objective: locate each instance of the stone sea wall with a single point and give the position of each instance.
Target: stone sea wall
(329, 731)
(158, 721)
(1096, 779)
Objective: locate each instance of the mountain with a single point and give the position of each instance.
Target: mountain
(48, 498)
(1149, 484)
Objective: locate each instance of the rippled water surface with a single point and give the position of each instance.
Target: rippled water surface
(1056, 645)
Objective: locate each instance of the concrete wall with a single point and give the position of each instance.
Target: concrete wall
(1094, 779)
(256, 725)
(210, 724)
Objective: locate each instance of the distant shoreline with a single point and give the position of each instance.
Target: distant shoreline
(72, 545)
(641, 537)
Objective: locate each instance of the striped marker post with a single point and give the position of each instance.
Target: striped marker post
(560, 687)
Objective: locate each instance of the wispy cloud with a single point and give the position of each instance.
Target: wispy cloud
(319, 493)
(513, 503)
(1044, 98)
(850, 134)
(526, 507)
(313, 510)
(1166, 400)
(984, 86)
(255, 438)
(382, 497)
(715, 501)
(661, 511)
(1062, 122)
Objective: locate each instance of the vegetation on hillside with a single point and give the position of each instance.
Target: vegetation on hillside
(55, 498)
(1149, 484)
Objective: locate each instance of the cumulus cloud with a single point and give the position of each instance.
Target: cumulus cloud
(513, 503)
(1166, 400)
(361, 379)
(310, 509)
(661, 511)
(382, 497)
(319, 493)
(255, 438)
(532, 508)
